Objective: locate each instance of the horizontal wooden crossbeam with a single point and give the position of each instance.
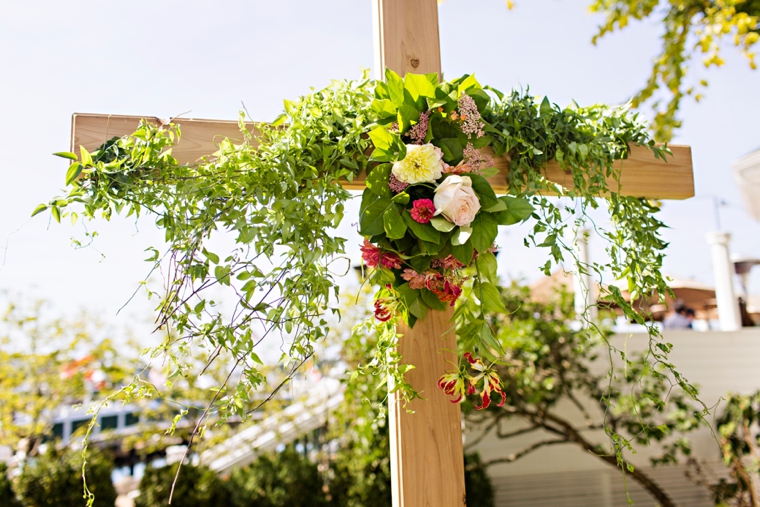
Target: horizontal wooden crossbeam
(642, 175)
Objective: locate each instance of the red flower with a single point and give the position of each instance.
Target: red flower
(374, 256)
(422, 210)
(449, 293)
(456, 385)
(491, 382)
(382, 313)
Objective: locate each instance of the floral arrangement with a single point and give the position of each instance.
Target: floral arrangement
(430, 216)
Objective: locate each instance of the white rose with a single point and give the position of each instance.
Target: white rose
(422, 164)
(456, 200)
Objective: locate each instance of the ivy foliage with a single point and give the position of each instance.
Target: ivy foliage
(277, 197)
(691, 27)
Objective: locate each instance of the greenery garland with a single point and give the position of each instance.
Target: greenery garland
(278, 194)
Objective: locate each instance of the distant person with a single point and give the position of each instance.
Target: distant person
(691, 315)
(679, 319)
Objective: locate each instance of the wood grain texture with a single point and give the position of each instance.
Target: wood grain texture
(406, 36)
(427, 467)
(642, 175)
(199, 137)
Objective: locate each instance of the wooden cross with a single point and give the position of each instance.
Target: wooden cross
(426, 445)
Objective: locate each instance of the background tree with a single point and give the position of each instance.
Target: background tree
(48, 363)
(739, 432)
(549, 363)
(691, 28)
(7, 494)
(199, 487)
(54, 479)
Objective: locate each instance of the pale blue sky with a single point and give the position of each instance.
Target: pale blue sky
(162, 58)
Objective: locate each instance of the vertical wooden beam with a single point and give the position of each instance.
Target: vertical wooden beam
(427, 467)
(406, 36)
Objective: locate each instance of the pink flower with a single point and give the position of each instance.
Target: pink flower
(429, 280)
(374, 256)
(422, 210)
(419, 131)
(447, 263)
(460, 168)
(396, 184)
(476, 160)
(468, 112)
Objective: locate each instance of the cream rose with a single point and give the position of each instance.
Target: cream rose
(456, 200)
(422, 164)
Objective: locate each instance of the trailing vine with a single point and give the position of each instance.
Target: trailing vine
(277, 193)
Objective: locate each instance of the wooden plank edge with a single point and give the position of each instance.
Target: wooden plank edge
(680, 163)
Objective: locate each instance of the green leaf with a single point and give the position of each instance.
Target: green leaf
(381, 138)
(490, 297)
(384, 108)
(469, 82)
(461, 235)
(489, 171)
(424, 232)
(501, 206)
(39, 209)
(402, 198)
(451, 148)
(73, 172)
(222, 275)
(211, 256)
(395, 87)
(406, 115)
(487, 266)
(409, 296)
(484, 231)
(85, 157)
(371, 222)
(419, 85)
(490, 347)
(368, 197)
(56, 212)
(66, 154)
(395, 228)
(484, 190)
(441, 224)
(546, 107)
(377, 180)
(418, 308)
(518, 209)
(463, 253)
(380, 155)
(432, 300)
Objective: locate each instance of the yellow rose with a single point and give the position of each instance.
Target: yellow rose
(422, 164)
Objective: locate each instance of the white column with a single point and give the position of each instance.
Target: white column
(582, 282)
(723, 272)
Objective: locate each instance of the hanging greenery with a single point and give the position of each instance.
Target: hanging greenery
(429, 216)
